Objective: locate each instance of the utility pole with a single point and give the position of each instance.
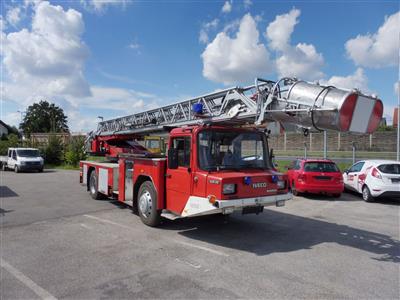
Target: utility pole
(325, 146)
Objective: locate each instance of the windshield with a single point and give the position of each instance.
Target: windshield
(320, 167)
(231, 150)
(28, 153)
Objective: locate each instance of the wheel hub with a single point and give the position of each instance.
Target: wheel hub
(145, 203)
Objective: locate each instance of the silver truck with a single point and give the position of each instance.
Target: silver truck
(22, 159)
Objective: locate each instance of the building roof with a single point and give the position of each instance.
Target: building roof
(5, 125)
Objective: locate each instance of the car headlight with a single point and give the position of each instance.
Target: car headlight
(281, 184)
(23, 163)
(228, 188)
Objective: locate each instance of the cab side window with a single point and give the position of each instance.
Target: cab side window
(182, 145)
(14, 155)
(357, 167)
(296, 165)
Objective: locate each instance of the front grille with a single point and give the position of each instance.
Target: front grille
(32, 163)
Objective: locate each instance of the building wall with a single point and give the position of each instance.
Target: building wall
(379, 141)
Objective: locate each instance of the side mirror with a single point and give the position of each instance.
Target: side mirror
(172, 159)
(346, 171)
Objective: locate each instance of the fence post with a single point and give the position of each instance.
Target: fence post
(338, 143)
(325, 146)
(353, 146)
(310, 141)
(284, 141)
(305, 150)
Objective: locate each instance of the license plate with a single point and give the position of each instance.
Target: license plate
(252, 209)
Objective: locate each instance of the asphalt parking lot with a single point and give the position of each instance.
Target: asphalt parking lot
(57, 242)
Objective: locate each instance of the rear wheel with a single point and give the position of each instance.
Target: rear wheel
(366, 194)
(93, 186)
(4, 167)
(147, 204)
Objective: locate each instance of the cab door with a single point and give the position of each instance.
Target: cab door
(178, 180)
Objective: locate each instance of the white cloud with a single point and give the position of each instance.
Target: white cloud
(14, 16)
(238, 59)
(301, 60)
(50, 57)
(357, 80)
(380, 49)
(205, 28)
(247, 3)
(280, 30)
(99, 6)
(396, 87)
(227, 7)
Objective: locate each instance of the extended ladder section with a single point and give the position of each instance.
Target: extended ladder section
(287, 101)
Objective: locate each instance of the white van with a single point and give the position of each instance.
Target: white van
(22, 159)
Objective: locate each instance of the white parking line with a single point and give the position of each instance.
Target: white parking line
(41, 292)
(204, 248)
(107, 221)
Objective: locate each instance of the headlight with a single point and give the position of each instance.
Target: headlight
(281, 184)
(23, 163)
(228, 188)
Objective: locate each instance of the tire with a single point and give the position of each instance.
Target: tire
(40, 170)
(366, 194)
(336, 195)
(4, 167)
(16, 169)
(93, 186)
(147, 204)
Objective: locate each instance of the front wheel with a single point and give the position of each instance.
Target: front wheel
(147, 204)
(366, 194)
(16, 169)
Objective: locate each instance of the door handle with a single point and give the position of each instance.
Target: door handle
(168, 176)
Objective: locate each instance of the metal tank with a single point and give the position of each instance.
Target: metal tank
(327, 108)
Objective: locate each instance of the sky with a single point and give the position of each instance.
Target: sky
(113, 58)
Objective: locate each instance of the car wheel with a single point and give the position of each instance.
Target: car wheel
(4, 167)
(147, 204)
(40, 170)
(366, 194)
(336, 195)
(93, 186)
(16, 169)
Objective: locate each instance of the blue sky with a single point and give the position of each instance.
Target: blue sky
(112, 58)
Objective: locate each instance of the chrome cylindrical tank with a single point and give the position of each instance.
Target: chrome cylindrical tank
(329, 108)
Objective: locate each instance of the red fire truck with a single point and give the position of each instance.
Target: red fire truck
(218, 159)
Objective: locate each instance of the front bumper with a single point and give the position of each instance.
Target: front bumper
(198, 206)
(30, 167)
(264, 201)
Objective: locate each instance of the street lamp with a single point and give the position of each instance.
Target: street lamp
(101, 118)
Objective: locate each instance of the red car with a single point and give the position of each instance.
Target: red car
(316, 176)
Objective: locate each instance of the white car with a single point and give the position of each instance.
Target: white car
(374, 178)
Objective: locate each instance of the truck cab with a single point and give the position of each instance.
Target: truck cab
(23, 159)
(214, 169)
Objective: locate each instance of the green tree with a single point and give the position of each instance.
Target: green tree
(8, 141)
(53, 153)
(44, 117)
(75, 150)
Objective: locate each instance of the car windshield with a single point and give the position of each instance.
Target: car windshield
(28, 153)
(325, 167)
(219, 150)
(390, 169)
